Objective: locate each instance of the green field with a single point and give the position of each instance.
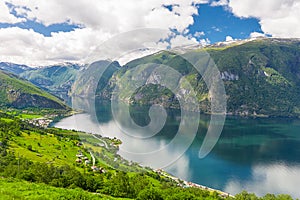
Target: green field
(18, 189)
(29, 116)
(44, 148)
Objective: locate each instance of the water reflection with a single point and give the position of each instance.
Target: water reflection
(259, 155)
(276, 178)
(85, 122)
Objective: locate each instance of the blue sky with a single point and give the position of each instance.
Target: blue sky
(41, 28)
(217, 23)
(46, 32)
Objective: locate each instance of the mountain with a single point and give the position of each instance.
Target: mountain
(94, 78)
(261, 77)
(19, 93)
(66, 79)
(14, 68)
(56, 79)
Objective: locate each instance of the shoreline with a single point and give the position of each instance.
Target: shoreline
(241, 114)
(185, 183)
(182, 183)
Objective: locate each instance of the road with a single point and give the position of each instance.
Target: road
(93, 158)
(105, 144)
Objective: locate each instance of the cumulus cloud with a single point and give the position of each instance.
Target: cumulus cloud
(113, 15)
(280, 18)
(204, 42)
(256, 35)
(6, 16)
(98, 21)
(180, 40)
(219, 3)
(228, 38)
(32, 48)
(199, 34)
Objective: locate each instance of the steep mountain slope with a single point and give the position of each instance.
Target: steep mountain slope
(261, 77)
(19, 93)
(268, 76)
(94, 78)
(56, 79)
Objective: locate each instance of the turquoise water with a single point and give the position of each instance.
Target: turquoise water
(258, 155)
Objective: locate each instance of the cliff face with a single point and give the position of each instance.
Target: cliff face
(261, 77)
(19, 93)
(94, 78)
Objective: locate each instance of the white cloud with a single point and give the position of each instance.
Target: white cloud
(102, 19)
(113, 16)
(219, 3)
(28, 47)
(180, 40)
(99, 20)
(204, 42)
(256, 34)
(228, 38)
(280, 18)
(6, 16)
(199, 34)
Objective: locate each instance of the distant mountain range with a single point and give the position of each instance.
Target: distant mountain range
(261, 77)
(19, 93)
(56, 79)
(13, 68)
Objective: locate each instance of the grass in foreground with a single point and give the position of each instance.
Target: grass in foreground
(18, 189)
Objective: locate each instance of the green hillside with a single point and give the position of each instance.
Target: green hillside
(18, 189)
(49, 158)
(261, 77)
(42, 163)
(94, 78)
(56, 79)
(19, 93)
(268, 72)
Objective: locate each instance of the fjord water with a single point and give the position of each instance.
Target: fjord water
(259, 155)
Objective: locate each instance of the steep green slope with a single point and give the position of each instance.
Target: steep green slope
(17, 189)
(268, 77)
(18, 93)
(48, 157)
(94, 78)
(56, 79)
(261, 77)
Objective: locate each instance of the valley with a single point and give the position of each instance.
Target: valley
(260, 79)
(254, 73)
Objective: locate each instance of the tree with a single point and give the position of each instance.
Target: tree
(246, 196)
(138, 183)
(150, 194)
(120, 185)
